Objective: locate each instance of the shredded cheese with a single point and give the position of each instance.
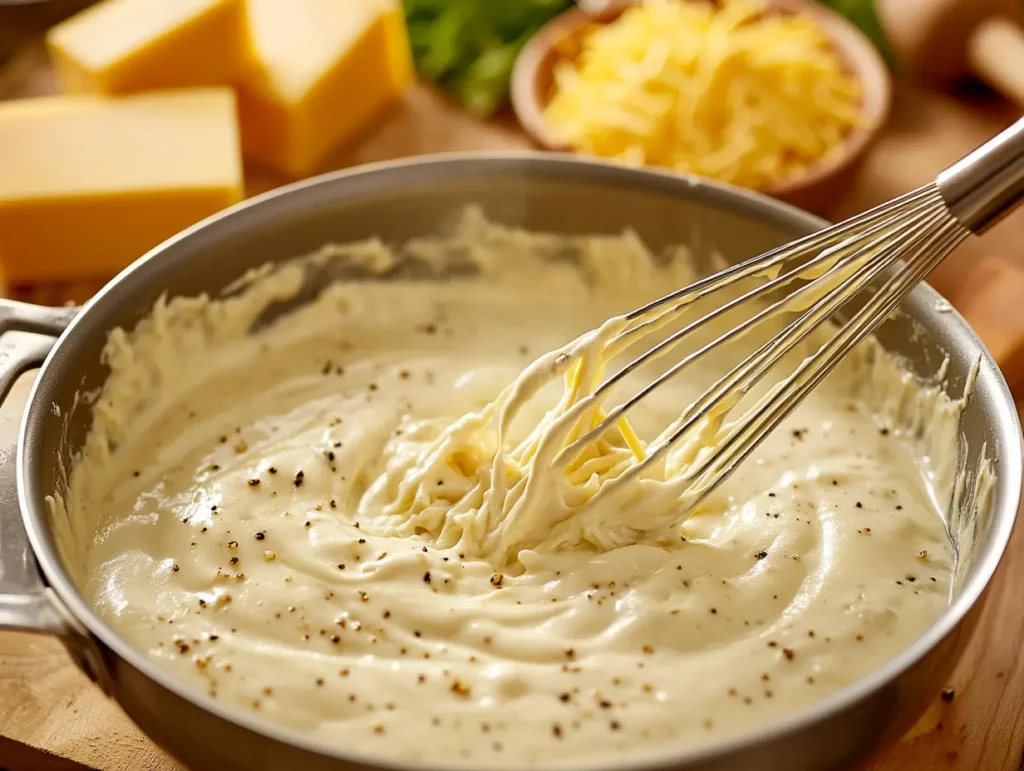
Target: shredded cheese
(722, 90)
(574, 383)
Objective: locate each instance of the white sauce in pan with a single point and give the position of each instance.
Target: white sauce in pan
(234, 498)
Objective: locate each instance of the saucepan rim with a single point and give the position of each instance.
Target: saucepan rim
(924, 301)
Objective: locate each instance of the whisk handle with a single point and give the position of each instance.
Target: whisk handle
(988, 183)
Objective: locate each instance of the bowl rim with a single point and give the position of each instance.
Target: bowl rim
(737, 200)
(854, 48)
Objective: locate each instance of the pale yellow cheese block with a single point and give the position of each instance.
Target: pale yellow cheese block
(321, 71)
(88, 184)
(121, 46)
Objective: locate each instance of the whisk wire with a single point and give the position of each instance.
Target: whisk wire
(749, 434)
(812, 242)
(917, 223)
(756, 365)
(798, 272)
(738, 382)
(897, 244)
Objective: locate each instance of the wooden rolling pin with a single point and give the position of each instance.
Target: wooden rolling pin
(944, 41)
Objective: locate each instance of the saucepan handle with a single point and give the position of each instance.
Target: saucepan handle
(23, 604)
(27, 333)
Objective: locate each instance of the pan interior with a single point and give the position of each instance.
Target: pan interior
(397, 204)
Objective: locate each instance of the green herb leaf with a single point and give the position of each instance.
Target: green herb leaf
(469, 47)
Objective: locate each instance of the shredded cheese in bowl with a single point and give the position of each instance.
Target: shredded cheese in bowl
(721, 90)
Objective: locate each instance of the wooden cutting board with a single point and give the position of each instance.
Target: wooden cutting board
(52, 719)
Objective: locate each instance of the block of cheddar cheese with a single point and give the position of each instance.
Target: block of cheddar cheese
(121, 46)
(88, 184)
(321, 71)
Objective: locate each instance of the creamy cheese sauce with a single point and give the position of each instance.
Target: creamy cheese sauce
(234, 495)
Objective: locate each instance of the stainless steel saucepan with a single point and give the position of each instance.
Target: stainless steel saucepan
(395, 202)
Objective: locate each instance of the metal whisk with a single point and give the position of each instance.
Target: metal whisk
(889, 248)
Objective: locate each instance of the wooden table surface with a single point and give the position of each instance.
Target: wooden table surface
(53, 719)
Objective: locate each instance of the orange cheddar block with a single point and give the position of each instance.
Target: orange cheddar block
(88, 184)
(321, 71)
(122, 46)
